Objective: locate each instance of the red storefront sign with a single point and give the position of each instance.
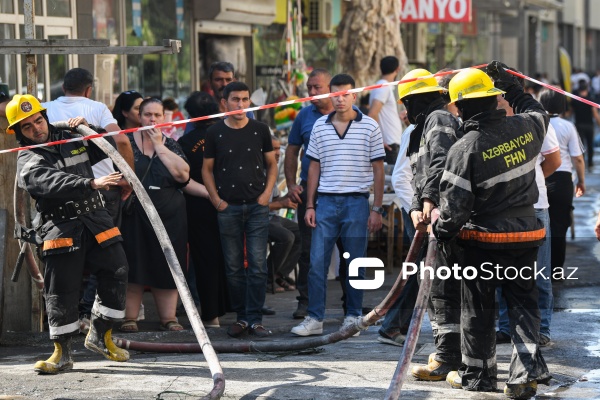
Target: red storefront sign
(436, 11)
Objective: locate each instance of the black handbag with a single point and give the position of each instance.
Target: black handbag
(129, 204)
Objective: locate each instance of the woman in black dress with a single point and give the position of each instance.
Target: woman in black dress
(203, 227)
(163, 169)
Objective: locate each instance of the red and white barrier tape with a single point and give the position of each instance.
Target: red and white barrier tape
(556, 89)
(286, 103)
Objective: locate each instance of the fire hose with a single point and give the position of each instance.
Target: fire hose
(299, 344)
(414, 329)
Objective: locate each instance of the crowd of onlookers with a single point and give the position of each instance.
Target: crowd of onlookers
(222, 250)
(222, 253)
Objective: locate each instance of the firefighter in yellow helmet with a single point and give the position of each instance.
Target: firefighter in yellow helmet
(434, 133)
(74, 231)
(487, 195)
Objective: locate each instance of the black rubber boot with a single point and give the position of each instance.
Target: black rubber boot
(59, 361)
(99, 340)
(523, 391)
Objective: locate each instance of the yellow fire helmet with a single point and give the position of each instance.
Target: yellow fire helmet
(21, 107)
(472, 83)
(418, 86)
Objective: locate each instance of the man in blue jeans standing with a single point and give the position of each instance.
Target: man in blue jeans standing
(346, 158)
(317, 83)
(239, 172)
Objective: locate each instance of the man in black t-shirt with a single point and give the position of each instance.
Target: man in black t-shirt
(239, 172)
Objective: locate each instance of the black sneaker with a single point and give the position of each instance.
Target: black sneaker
(267, 311)
(544, 340)
(301, 312)
(523, 391)
(502, 337)
(238, 329)
(260, 331)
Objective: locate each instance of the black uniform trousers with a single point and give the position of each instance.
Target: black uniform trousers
(62, 280)
(560, 198)
(479, 369)
(444, 307)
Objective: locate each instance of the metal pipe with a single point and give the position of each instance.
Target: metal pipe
(167, 247)
(414, 329)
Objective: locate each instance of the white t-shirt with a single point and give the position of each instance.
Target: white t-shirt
(402, 175)
(550, 145)
(346, 161)
(568, 141)
(389, 120)
(94, 112)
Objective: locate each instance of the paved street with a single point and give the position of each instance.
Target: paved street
(359, 368)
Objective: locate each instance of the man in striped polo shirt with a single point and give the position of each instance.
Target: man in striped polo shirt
(346, 154)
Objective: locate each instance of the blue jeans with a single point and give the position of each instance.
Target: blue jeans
(402, 308)
(544, 284)
(247, 286)
(337, 216)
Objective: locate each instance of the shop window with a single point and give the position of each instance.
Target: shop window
(7, 6)
(8, 67)
(152, 74)
(106, 20)
(39, 59)
(57, 68)
(37, 6)
(58, 8)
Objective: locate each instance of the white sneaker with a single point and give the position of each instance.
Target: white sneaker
(309, 326)
(349, 321)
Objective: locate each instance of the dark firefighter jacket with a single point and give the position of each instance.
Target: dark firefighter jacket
(428, 147)
(488, 187)
(56, 175)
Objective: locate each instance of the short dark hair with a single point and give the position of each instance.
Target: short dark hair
(200, 104)
(341, 80)
(222, 66)
(235, 87)
(319, 71)
(553, 102)
(77, 80)
(170, 104)
(388, 64)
